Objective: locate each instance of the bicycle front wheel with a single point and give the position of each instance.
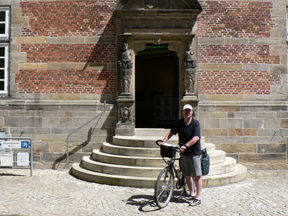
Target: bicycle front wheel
(164, 187)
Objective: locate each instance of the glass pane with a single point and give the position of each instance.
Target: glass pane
(2, 63)
(1, 85)
(2, 16)
(2, 51)
(2, 28)
(1, 74)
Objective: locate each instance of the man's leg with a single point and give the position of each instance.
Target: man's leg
(198, 181)
(189, 182)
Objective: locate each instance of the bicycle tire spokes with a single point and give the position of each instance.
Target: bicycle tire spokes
(164, 187)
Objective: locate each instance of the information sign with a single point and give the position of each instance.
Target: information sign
(24, 144)
(11, 144)
(22, 159)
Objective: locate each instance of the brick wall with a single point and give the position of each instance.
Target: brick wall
(236, 21)
(67, 32)
(66, 81)
(69, 18)
(236, 82)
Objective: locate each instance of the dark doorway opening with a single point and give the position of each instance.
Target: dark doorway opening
(157, 87)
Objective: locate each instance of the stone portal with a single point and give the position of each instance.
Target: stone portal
(167, 25)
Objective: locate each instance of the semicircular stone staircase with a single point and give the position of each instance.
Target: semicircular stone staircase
(135, 161)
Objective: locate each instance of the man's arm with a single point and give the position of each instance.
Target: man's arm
(167, 137)
(189, 143)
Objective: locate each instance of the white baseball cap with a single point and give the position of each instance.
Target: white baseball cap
(187, 106)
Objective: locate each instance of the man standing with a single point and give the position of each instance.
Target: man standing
(188, 130)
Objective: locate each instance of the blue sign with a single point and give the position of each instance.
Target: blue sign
(24, 144)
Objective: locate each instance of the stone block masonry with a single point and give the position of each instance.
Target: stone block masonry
(49, 123)
(254, 133)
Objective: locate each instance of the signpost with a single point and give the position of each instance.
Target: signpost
(14, 153)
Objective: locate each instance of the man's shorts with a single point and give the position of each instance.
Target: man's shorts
(191, 165)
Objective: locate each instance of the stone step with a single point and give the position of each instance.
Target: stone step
(141, 151)
(149, 182)
(145, 141)
(100, 156)
(116, 169)
(215, 169)
(217, 157)
(158, 132)
(135, 161)
(140, 141)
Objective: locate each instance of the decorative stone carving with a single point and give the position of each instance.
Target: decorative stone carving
(139, 47)
(125, 71)
(190, 70)
(125, 114)
(158, 24)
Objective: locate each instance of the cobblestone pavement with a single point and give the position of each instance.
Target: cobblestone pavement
(55, 192)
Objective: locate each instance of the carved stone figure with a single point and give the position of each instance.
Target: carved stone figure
(125, 115)
(126, 70)
(190, 70)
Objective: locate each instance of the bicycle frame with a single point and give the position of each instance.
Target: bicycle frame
(165, 183)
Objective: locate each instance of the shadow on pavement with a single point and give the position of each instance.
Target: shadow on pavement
(146, 203)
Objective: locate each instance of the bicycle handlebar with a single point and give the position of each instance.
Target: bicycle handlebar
(177, 148)
(157, 142)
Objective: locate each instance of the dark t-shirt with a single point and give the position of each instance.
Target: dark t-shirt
(186, 133)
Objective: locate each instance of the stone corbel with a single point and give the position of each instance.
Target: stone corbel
(139, 47)
(174, 47)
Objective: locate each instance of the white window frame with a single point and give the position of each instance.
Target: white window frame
(6, 62)
(4, 42)
(6, 35)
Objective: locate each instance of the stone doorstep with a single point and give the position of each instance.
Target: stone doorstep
(151, 131)
(146, 182)
(228, 165)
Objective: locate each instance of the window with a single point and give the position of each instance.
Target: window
(4, 48)
(3, 68)
(4, 23)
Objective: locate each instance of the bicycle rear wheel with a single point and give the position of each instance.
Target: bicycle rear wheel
(164, 187)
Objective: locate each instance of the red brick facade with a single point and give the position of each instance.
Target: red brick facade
(40, 53)
(236, 20)
(75, 19)
(95, 18)
(66, 81)
(69, 18)
(236, 82)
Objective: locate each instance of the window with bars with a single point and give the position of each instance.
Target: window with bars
(4, 48)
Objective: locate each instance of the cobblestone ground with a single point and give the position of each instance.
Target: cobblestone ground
(55, 192)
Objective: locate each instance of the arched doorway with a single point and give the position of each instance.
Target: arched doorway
(156, 87)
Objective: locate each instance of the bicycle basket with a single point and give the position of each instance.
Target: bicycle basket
(168, 151)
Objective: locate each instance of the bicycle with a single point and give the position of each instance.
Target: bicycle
(165, 185)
